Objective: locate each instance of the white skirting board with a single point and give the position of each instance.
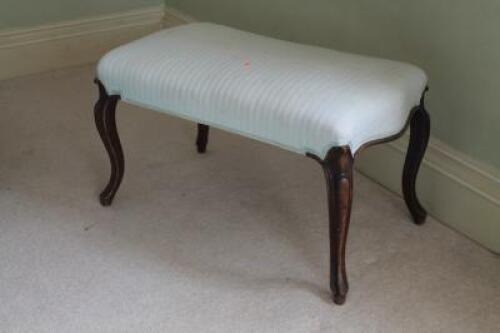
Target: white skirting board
(456, 190)
(43, 48)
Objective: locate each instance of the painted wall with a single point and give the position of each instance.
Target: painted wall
(26, 13)
(456, 41)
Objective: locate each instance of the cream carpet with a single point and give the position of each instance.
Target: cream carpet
(233, 241)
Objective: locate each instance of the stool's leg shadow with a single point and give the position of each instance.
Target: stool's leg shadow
(338, 168)
(202, 139)
(419, 138)
(104, 113)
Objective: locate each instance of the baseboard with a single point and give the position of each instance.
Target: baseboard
(175, 17)
(43, 48)
(456, 190)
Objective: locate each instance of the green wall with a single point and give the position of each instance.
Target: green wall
(456, 41)
(26, 13)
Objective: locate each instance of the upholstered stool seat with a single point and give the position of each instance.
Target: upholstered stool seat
(314, 101)
(303, 98)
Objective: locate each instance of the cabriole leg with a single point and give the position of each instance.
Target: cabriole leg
(338, 166)
(105, 120)
(419, 138)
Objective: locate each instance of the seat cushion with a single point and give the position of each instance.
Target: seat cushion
(303, 98)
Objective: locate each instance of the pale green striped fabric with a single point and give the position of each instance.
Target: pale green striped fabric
(302, 98)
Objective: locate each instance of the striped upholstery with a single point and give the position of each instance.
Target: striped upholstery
(302, 98)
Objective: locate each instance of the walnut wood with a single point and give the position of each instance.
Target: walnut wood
(338, 165)
(202, 139)
(104, 113)
(419, 138)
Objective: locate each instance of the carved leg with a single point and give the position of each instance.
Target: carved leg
(202, 139)
(419, 138)
(104, 113)
(338, 166)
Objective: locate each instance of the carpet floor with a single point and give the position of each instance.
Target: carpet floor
(232, 241)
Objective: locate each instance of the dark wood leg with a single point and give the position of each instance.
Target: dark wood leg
(104, 113)
(419, 138)
(202, 139)
(338, 166)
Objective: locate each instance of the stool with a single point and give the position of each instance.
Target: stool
(322, 103)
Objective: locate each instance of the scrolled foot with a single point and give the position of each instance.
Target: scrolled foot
(106, 199)
(201, 149)
(339, 299)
